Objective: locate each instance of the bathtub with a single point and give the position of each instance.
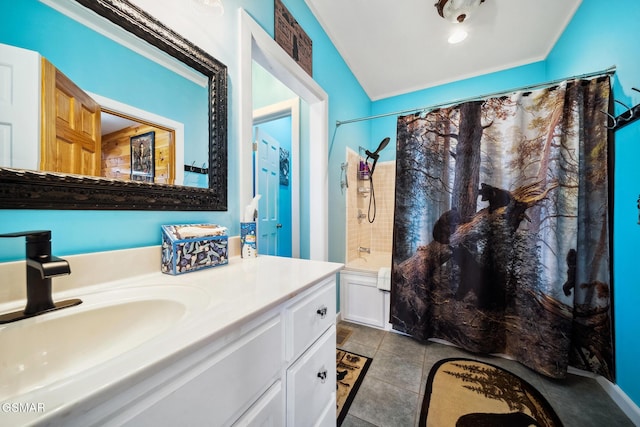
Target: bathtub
(360, 299)
(371, 263)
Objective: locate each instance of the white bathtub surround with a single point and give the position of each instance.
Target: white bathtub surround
(371, 263)
(267, 306)
(384, 279)
(361, 301)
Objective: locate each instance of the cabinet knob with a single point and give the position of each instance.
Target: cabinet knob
(322, 312)
(322, 375)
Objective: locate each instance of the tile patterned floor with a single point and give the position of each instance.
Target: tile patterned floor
(393, 389)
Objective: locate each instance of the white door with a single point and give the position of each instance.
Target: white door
(19, 107)
(268, 186)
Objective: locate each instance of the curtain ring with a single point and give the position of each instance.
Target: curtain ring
(615, 121)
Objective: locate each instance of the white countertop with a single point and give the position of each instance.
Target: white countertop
(237, 292)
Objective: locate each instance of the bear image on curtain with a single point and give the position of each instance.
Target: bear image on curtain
(501, 228)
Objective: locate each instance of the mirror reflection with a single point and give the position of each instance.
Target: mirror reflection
(91, 106)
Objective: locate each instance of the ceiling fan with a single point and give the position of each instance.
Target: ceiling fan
(457, 11)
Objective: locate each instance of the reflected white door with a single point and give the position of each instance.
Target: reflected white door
(268, 186)
(19, 107)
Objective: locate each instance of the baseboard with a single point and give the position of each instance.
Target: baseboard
(625, 403)
(616, 394)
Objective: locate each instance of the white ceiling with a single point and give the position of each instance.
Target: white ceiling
(396, 47)
(110, 123)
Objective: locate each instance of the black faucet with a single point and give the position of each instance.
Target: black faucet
(41, 267)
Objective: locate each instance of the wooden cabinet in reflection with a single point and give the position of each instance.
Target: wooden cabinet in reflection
(73, 140)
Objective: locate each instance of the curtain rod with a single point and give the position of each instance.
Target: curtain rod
(609, 70)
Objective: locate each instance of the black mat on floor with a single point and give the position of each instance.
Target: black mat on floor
(350, 371)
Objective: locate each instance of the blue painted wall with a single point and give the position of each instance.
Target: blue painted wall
(448, 93)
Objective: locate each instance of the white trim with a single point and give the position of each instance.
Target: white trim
(625, 403)
(101, 25)
(614, 391)
(152, 118)
(257, 45)
(290, 107)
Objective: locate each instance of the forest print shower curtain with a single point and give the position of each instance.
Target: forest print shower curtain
(501, 232)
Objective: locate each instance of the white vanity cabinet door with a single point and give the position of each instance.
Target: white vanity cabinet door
(308, 318)
(328, 416)
(311, 383)
(268, 411)
(218, 390)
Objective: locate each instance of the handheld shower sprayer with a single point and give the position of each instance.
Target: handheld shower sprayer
(374, 156)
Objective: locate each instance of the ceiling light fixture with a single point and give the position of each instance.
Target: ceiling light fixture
(457, 10)
(457, 36)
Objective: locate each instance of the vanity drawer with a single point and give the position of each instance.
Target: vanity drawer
(309, 318)
(311, 383)
(224, 385)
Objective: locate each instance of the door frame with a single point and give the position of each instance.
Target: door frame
(257, 45)
(289, 107)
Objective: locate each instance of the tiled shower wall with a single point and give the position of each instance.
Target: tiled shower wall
(378, 236)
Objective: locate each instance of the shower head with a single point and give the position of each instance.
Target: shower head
(375, 155)
(381, 147)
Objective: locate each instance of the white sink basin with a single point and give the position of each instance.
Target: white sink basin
(38, 351)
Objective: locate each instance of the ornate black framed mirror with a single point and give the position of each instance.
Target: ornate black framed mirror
(30, 189)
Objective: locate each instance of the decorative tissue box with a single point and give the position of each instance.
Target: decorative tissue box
(193, 247)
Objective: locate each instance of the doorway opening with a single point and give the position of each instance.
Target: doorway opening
(279, 121)
(118, 131)
(122, 122)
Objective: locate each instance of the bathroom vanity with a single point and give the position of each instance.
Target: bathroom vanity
(250, 343)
